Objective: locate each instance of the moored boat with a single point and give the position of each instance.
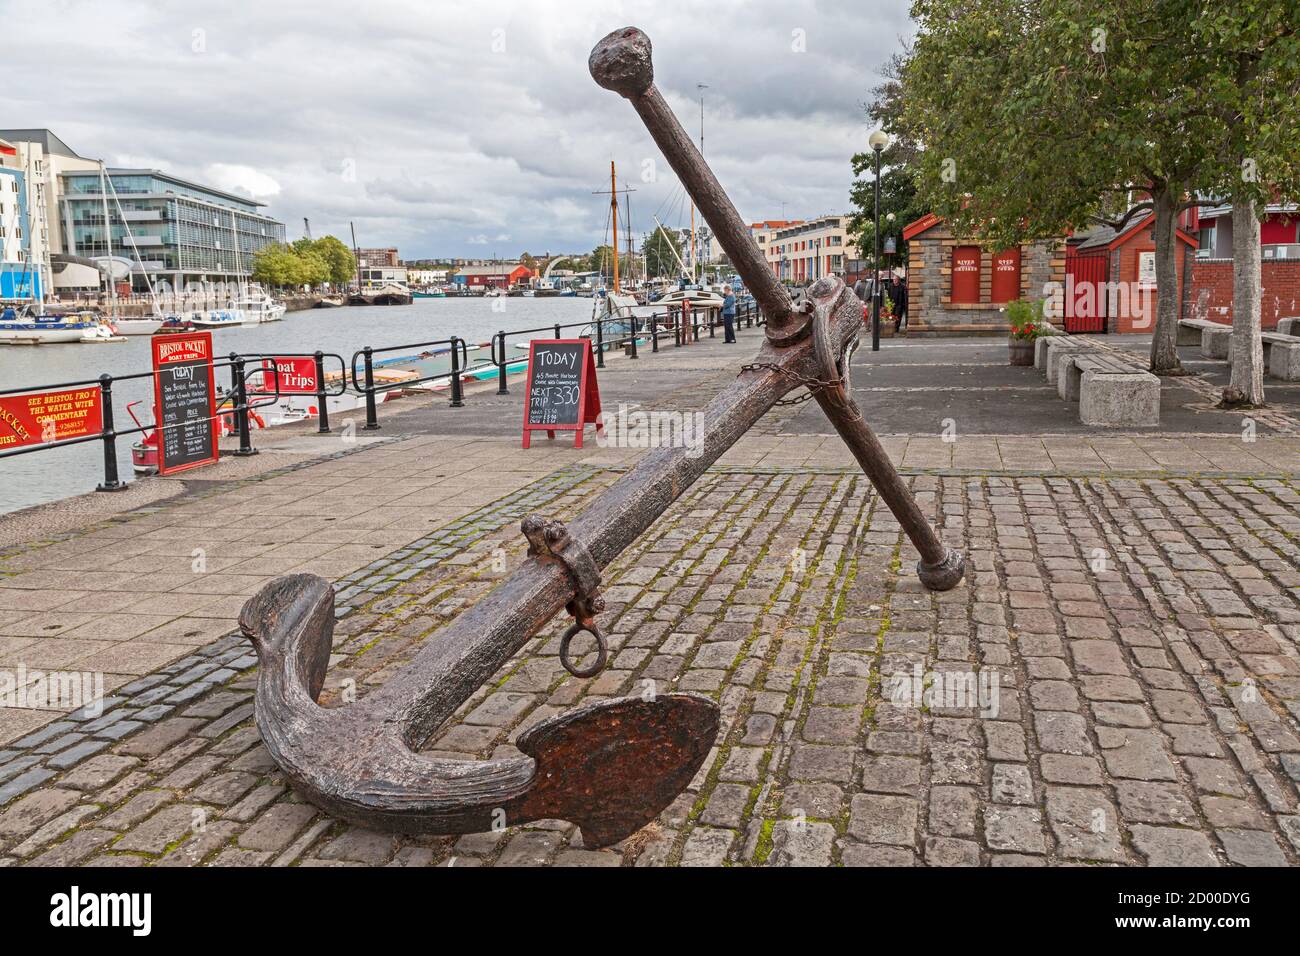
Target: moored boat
(214, 318)
(138, 326)
(257, 307)
(27, 329)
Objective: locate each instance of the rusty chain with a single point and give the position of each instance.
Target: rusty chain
(812, 384)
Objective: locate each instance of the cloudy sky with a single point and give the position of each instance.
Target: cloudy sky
(452, 128)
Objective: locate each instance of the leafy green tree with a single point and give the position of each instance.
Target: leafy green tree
(899, 169)
(1254, 48)
(661, 252)
(339, 258)
(276, 266)
(312, 268)
(1040, 116)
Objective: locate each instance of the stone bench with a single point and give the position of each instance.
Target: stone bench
(1281, 355)
(1072, 365)
(1048, 349)
(1289, 326)
(1110, 391)
(1189, 330)
(1214, 337)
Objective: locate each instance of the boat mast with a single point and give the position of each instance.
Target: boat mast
(234, 235)
(672, 244)
(613, 209)
(130, 237)
(108, 238)
(701, 87)
(356, 254)
(692, 242)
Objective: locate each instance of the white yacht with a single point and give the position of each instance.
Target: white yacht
(137, 326)
(212, 318)
(257, 307)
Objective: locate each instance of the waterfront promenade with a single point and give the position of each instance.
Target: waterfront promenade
(1130, 607)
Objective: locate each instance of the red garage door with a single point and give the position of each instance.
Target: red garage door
(965, 274)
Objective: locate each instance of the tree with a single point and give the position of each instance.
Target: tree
(601, 260)
(661, 254)
(1040, 117)
(301, 263)
(276, 266)
(898, 192)
(339, 258)
(1256, 50)
(312, 269)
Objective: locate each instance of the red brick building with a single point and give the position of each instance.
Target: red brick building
(1111, 275)
(1210, 290)
(503, 275)
(955, 286)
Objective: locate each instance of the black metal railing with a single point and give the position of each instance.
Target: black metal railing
(322, 393)
(233, 403)
(250, 373)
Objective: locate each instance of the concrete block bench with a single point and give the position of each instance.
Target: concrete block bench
(1214, 337)
(1048, 349)
(1189, 330)
(1110, 391)
(1281, 355)
(1289, 326)
(1119, 398)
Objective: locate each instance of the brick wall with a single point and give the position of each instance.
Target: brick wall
(1210, 292)
(930, 309)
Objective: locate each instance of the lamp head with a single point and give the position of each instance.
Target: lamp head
(878, 140)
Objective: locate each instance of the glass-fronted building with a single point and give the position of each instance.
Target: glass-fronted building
(179, 233)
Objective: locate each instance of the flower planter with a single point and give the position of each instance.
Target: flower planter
(1022, 351)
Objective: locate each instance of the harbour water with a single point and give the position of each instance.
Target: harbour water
(30, 479)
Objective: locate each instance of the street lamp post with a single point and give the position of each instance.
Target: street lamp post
(878, 140)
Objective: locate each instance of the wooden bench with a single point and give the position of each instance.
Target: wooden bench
(1281, 355)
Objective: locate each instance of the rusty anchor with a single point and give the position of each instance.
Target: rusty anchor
(612, 766)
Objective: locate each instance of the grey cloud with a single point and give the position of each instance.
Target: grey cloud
(448, 140)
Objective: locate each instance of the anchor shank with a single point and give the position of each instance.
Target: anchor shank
(469, 651)
(728, 228)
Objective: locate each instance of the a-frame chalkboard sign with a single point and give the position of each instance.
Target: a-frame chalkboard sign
(562, 391)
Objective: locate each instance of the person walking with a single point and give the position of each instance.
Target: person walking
(897, 292)
(729, 315)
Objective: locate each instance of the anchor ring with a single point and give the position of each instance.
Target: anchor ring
(602, 652)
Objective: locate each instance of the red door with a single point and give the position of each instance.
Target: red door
(1006, 276)
(965, 274)
(1085, 291)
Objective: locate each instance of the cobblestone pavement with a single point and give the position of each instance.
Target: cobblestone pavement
(1130, 646)
(1117, 681)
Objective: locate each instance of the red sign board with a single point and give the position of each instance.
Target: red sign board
(965, 274)
(38, 418)
(292, 376)
(185, 401)
(1006, 276)
(562, 393)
